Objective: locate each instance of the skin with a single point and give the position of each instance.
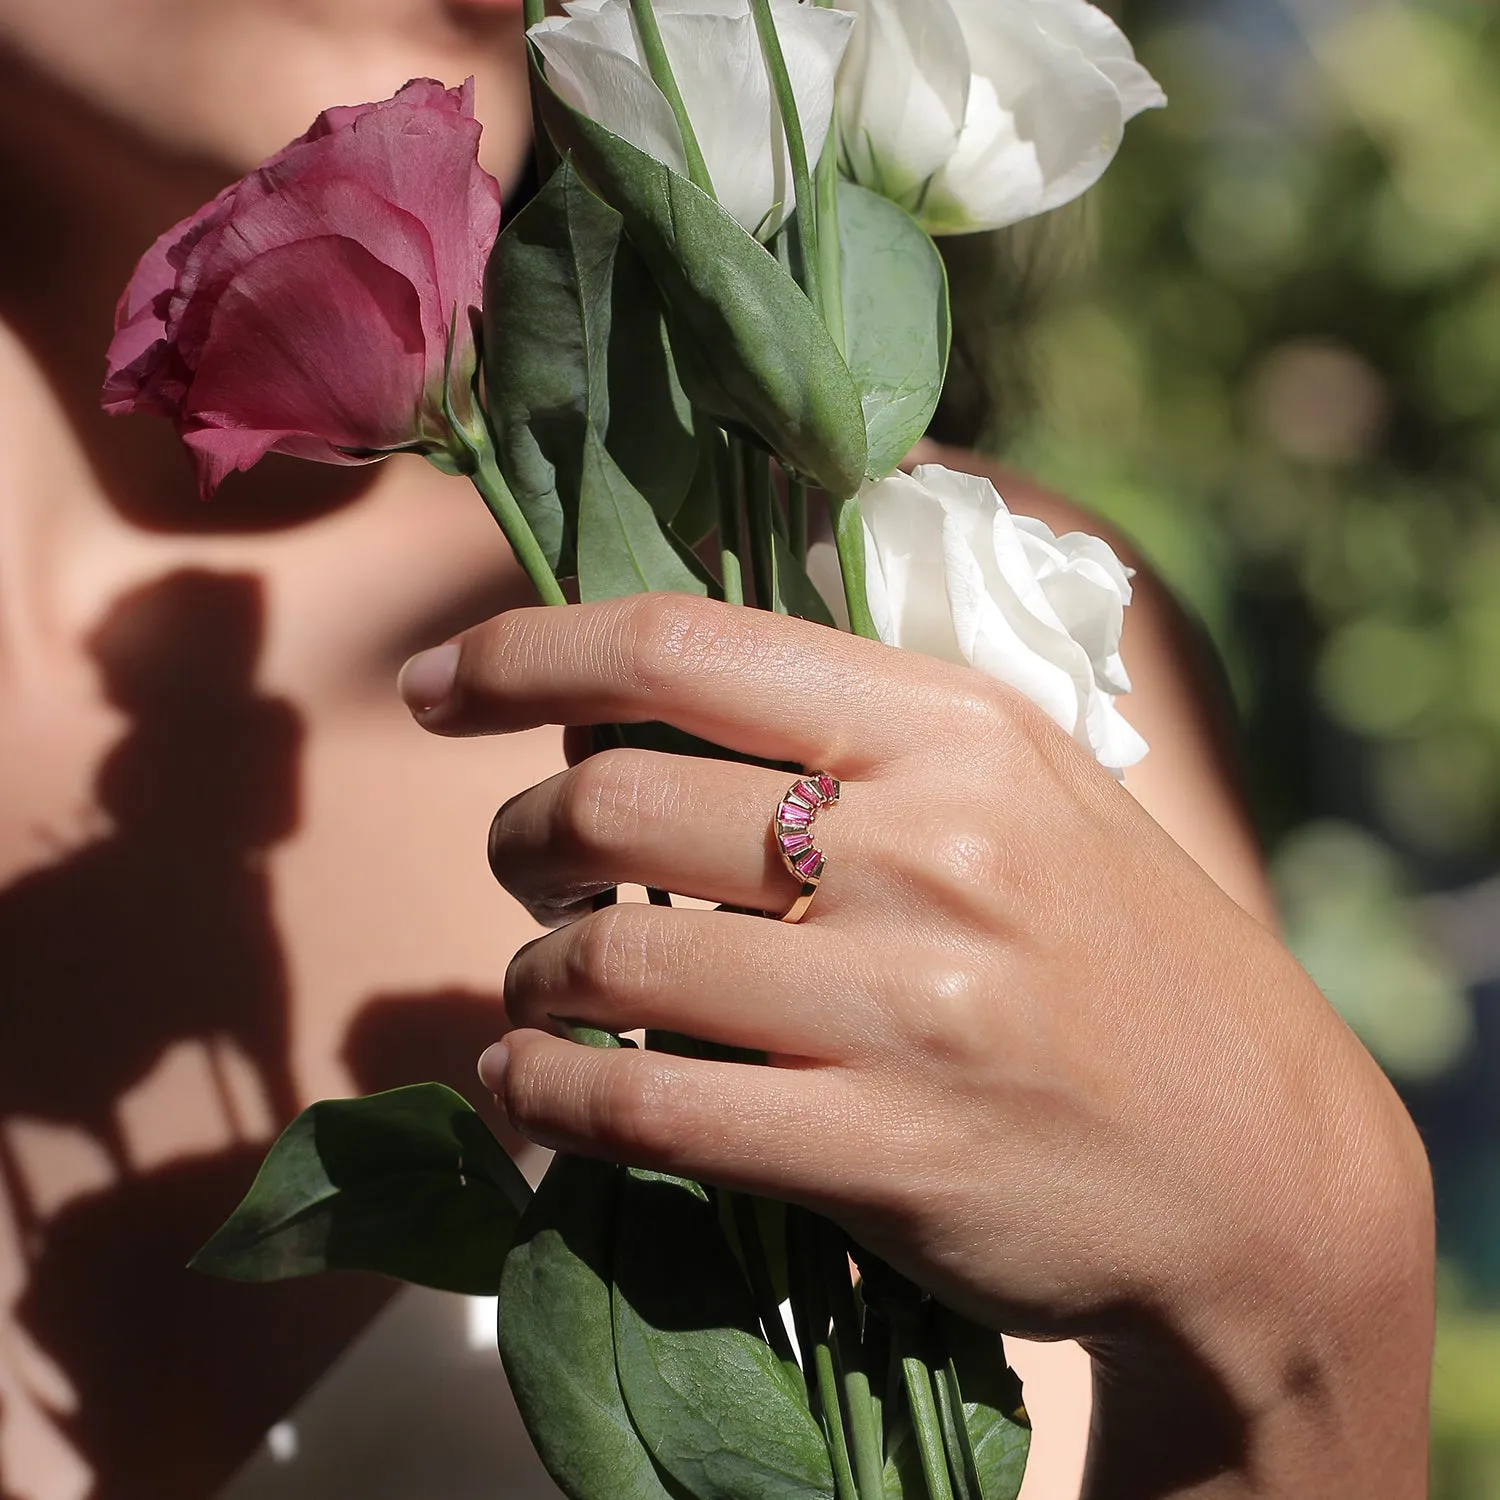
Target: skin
(212, 686)
(1033, 1055)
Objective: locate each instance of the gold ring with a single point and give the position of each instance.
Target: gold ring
(795, 815)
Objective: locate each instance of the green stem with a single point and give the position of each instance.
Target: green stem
(796, 518)
(833, 1424)
(654, 50)
(796, 145)
(533, 12)
(830, 250)
(927, 1426)
(757, 492)
(811, 1315)
(961, 1459)
(731, 569)
(849, 538)
(487, 479)
(866, 1446)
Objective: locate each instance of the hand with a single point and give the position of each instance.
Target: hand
(1021, 1047)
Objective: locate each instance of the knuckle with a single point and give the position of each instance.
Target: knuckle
(945, 1008)
(971, 860)
(664, 631)
(1004, 724)
(604, 952)
(598, 804)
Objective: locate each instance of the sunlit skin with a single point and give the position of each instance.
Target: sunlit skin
(237, 877)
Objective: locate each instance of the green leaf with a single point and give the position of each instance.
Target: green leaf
(699, 513)
(409, 1183)
(548, 304)
(896, 322)
(994, 1415)
(709, 1398)
(751, 348)
(621, 546)
(557, 1337)
(652, 432)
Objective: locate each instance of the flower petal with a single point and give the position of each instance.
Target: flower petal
(903, 92)
(317, 338)
(609, 85)
(1106, 46)
(904, 553)
(1042, 125)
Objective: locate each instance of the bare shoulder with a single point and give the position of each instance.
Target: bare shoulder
(1189, 782)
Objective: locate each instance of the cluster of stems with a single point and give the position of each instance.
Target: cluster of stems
(750, 508)
(856, 1363)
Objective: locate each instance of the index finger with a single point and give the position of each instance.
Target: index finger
(758, 683)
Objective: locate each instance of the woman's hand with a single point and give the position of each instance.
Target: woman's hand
(1022, 1047)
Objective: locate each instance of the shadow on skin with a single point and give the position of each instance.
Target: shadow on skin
(438, 1037)
(159, 934)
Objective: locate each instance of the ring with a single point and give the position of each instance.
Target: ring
(795, 815)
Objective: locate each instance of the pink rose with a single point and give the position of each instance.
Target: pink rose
(308, 309)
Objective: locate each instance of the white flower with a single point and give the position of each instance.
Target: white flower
(595, 64)
(952, 573)
(975, 114)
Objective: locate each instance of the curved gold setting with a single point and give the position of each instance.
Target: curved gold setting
(796, 814)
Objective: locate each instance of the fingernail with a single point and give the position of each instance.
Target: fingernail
(426, 681)
(492, 1067)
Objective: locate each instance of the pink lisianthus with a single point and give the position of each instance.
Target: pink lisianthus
(309, 308)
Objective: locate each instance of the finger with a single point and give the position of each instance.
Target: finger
(722, 977)
(762, 684)
(756, 1129)
(701, 828)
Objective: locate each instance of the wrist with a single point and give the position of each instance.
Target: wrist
(1299, 1365)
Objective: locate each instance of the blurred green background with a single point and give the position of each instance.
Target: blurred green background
(1268, 346)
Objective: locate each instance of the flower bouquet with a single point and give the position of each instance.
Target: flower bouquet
(711, 337)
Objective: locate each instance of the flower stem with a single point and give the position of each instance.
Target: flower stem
(927, 1426)
(849, 538)
(960, 1447)
(830, 251)
(866, 1447)
(533, 13)
(833, 1423)
(731, 570)
(812, 1317)
(796, 518)
(758, 502)
(796, 145)
(654, 50)
(487, 479)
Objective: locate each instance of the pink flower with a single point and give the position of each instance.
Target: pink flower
(308, 309)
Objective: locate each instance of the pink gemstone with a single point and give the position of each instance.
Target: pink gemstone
(797, 817)
(828, 788)
(795, 843)
(808, 864)
(808, 792)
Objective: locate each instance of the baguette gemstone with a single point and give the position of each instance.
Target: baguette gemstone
(795, 816)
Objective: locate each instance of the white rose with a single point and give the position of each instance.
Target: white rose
(952, 573)
(594, 62)
(975, 114)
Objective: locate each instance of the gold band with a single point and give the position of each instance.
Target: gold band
(798, 908)
(795, 815)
